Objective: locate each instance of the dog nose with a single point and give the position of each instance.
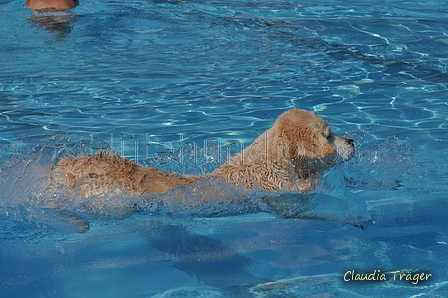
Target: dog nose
(350, 141)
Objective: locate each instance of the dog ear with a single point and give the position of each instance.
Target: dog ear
(317, 146)
(307, 142)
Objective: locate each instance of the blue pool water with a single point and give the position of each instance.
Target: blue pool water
(180, 85)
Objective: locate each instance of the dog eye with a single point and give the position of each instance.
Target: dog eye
(327, 133)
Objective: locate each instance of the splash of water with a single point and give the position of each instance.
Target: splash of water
(382, 165)
(30, 192)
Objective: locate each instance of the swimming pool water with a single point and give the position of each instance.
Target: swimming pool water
(149, 79)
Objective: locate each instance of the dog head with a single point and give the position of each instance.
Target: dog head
(307, 136)
(309, 147)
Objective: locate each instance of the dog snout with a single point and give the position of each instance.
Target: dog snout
(350, 142)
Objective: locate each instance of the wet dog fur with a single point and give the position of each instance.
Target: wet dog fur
(291, 156)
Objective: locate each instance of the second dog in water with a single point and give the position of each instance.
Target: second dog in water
(291, 155)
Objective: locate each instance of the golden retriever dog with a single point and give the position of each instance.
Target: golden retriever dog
(292, 155)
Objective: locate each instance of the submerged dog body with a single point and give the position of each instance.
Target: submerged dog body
(290, 156)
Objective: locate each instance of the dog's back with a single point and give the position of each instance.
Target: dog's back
(105, 171)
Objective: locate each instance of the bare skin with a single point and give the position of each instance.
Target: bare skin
(51, 4)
